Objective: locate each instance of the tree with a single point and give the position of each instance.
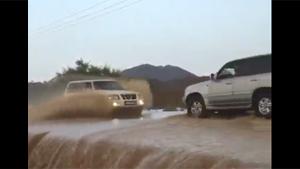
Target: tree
(94, 70)
(86, 68)
(82, 67)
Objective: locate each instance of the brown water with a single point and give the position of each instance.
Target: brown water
(176, 142)
(73, 106)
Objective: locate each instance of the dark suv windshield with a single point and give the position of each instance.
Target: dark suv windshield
(107, 85)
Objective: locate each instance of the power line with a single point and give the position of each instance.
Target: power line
(82, 17)
(91, 17)
(72, 14)
(102, 14)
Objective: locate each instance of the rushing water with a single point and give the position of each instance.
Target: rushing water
(153, 141)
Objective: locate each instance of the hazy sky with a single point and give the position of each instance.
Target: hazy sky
(197, 35)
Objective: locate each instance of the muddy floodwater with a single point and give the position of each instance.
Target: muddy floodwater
(156, 140)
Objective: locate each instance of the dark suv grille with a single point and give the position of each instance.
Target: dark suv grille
(128, 96)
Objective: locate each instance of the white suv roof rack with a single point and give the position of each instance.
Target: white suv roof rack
(94, 80)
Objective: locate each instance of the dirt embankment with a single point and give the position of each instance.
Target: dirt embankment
(177, 142)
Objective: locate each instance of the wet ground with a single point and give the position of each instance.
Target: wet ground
(157, 140)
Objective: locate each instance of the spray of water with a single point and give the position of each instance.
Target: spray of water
(73, 106)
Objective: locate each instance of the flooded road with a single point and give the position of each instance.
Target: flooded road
(157, 140)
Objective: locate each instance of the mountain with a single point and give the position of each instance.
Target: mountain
(167, 83)
(162, 73)
(168, 94)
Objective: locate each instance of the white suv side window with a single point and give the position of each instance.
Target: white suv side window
(254, 66)
(79, 87)
(228, 71)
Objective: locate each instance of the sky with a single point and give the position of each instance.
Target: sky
(197, 35)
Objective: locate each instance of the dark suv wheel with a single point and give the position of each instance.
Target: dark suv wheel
(263, 105)
(196, 107)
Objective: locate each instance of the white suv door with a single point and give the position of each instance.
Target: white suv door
(243, 87)
(248, 78)
(220, 90)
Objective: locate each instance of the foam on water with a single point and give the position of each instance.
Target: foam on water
(175, 142)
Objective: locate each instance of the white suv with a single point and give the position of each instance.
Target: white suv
(120, 97)
(239, 84)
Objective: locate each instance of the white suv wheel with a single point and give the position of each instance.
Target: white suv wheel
(265, 106)
(196, 108)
